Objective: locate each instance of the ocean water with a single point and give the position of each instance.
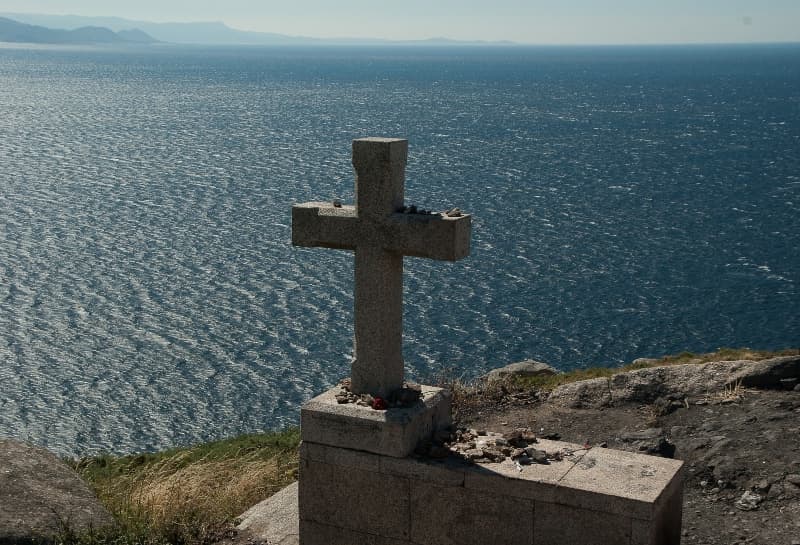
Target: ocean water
(628, 202)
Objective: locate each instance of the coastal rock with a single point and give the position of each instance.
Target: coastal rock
(527, 368)
(40, 494)
(697, 381)
(273, 521)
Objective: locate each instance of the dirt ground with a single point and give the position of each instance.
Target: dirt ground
(744, 443)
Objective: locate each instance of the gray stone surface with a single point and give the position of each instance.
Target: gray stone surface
(461, 516)
(592, 496)
(380, 235)
(527, 368)
(40, 495)
(614, 496)
(274, 520)
(359, 500)
(393, 432)
(619, 482)
(677, 381)
(556, 524)
(327, 534)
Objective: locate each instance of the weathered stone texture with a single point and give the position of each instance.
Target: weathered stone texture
(675, 381)
(380, 234)
(358, 500)
(527, 368)
(40, 495)
(556, 524)
(608, 497)
(394, 432)
(275, 520)
(462, 516)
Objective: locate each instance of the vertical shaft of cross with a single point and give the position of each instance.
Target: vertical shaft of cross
(378, 344)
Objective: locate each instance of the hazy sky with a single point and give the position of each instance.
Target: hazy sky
(527, 21)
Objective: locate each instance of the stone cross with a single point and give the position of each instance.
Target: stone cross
(381, 230)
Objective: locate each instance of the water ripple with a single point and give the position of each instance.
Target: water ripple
(149, 295)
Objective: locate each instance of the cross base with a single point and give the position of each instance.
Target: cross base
(394, 432)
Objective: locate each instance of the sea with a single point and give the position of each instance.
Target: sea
(627, 202)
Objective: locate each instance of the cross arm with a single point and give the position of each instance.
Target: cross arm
(431, 236)
(319, 224)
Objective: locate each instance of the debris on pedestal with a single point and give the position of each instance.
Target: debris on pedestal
(404, 397)
(479, 446)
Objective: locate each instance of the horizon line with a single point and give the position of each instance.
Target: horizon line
(442, 40)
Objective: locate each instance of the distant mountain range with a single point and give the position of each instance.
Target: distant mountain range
(15, 31)
(211, 33)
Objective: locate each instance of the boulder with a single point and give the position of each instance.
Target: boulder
(527, 368)
(673, 382)
(41, 496)
(274, 520)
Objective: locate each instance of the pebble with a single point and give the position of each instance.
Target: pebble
(474, 454)
(538, 456)
(775, 492)
(493, 455)
(749, 501)
(761, 486)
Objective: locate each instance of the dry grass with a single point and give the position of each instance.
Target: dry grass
(730, 394)
(723, 354)
(190, 496)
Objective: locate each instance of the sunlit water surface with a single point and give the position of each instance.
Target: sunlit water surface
(627, 203)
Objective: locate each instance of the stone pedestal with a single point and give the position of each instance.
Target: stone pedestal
(591, 496)
(394, 432)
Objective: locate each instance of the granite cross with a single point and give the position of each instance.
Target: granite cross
(381, 230)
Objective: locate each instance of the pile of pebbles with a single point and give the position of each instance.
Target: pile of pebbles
(413, 209)
(404, 397)
(479, 446)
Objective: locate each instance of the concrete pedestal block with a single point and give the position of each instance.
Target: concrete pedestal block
(394, 432)
(592, 496)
